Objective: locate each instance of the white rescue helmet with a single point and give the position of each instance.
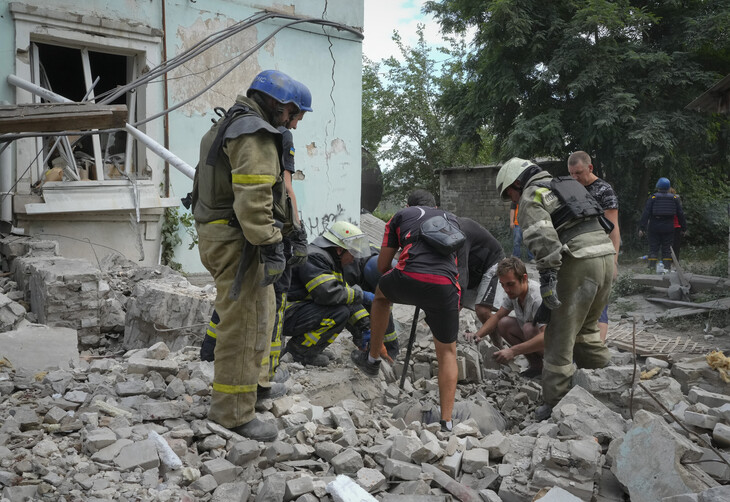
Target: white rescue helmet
(345, 235)
(509, 173)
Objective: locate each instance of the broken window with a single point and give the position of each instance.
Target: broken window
(82, 74)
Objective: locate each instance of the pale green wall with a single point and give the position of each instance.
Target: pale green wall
(327, 141)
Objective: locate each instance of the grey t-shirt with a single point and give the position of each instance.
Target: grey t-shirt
(533, 299)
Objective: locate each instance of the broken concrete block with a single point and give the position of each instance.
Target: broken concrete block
(653, 362)
(138, 454)
(557, 494)
(142, 366)
(96, 439)
(221, 469)
(404, 446)
(160, 410)
(581, 414)
(279, 451)
(711, 399)
(721, 434)
(474, 459)
(401, 470)
(700, 420)
(496, 443)
(155, 306)
(666, 389)
(243, 452)
(26, 419)
(12, 314)
(205, 484)
(651, 451)
(605, 382)
(272, 489)
(347, 462)
(371, 480)
(451, 464)
(37, 348)
(343, 420)
(696, 372)
(427, 453)
(297, 487)
(232, 492)
(327, 450)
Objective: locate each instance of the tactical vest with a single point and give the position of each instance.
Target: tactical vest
(664, 205)
(212, 197)
(579, 212)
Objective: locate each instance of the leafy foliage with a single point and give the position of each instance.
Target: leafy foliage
(403, 123)
(608, 77)
(171, 224)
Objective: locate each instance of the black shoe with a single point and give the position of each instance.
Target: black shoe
(531, 372)
(543, 412)
(307, 357)
(276, 390)
(361, 360)
(257, 430)
(445, 427)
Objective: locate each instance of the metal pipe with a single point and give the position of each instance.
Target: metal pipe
(37, 90)
(163, 152)
(7, 173)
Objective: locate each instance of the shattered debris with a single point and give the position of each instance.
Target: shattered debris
(126, 417)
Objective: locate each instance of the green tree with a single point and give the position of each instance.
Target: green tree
(403, 124)
(608, 77)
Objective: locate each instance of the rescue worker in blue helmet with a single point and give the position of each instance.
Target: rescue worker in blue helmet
(659, 214)
(241, 214)
(295, 250)
(564, 227)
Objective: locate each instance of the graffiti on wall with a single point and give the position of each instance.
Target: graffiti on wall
(318, 224)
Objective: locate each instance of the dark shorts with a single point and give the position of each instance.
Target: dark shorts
(440, 302)
(604, 315)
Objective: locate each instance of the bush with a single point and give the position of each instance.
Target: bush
(624, 285)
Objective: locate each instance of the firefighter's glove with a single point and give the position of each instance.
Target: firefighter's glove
(272, 256)
(357, 294)
(549, 288)
(299, 243)
(542, 316)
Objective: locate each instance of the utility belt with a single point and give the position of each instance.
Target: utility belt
(584, 227)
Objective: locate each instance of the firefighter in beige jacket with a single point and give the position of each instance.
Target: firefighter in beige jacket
(575, 261)
(241, 210)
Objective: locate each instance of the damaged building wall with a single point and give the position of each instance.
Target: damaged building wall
(116, 213)
(327, 140)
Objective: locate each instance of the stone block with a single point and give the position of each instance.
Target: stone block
(711, 399)
(279, 451)
(221, 469)
(160, 410)
(697, 373)
(106, 455)
(404, 446)
(138, 454)
(557, 494)
(347, 462)
(427, 453)
(96, 439)
(327, 450)
(371, 480)
(38, 348)
(651, 447)
(579, 413)
(297, 487)
(666, 389)
(496, 443)
(170, 302)
(451, 464)
(700, 420)
(401, 470)
(243, 452)
(473, 460)
(721, 434)
(142, 366)
(232, 492)
(133, 388)
(205, 484)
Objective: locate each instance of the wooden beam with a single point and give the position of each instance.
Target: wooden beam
(53, 117)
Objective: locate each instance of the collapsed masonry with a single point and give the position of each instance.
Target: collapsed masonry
(126, 418)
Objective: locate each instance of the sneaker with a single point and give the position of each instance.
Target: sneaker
(360, 359)
(281, 375)
(543, 412)
(257, 430)
(444, 426)
(531, 372)
(276, 390)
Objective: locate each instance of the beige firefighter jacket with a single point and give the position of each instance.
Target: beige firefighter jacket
(537, 203)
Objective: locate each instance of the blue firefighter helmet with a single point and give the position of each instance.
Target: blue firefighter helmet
(663, 184)
(278, 85)
(304, 97)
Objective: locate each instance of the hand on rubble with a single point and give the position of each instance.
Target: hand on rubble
(504, 356)
(472, 337)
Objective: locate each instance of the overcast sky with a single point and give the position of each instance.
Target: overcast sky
(384, 16)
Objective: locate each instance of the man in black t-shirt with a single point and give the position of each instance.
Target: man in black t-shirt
(424, 278)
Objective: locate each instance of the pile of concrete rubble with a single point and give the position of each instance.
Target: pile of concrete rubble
(125, 418)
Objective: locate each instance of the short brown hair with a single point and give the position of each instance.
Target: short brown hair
(579, 156)
(512, 264)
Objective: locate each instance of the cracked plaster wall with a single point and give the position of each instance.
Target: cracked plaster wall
(327, 141)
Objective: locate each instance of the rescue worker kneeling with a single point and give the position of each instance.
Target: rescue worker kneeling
(320, 304)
